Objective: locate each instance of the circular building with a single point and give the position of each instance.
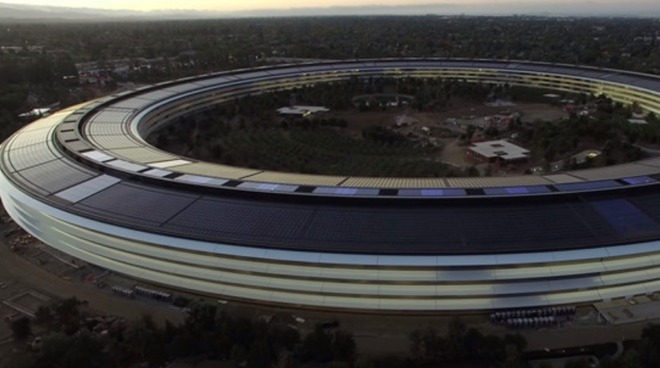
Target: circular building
(84, 181)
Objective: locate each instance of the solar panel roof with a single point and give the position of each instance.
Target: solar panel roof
(443, 228)
(26, 157)
(571, 220)
(54, 176)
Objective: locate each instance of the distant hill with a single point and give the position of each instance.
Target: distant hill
(19, 12)
(606, 8)
(55, 13)
(635, 8)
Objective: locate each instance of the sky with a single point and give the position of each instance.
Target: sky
(239, 5)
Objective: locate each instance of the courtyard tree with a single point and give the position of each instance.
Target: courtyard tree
(21, 328)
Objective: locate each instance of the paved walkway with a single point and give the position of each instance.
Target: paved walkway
(633, 309)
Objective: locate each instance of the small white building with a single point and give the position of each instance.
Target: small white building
(499, 150)
(38, 112)
(301, 111)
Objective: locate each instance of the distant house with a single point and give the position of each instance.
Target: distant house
(498, 151)
(301, 111)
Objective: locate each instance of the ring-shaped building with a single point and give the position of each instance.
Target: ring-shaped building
(85, 182)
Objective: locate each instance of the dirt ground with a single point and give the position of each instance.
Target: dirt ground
(454, 153)
(448, 124)
(533, 112)
(463, 112)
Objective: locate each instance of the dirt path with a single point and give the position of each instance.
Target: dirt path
(454, 154)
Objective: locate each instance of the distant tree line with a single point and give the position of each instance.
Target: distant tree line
(606, 129)
(466, 345)
(70, 338)
(28, 82)
(208, 333)
(229, 43)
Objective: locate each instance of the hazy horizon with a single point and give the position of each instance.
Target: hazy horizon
(231, 6)
(198, 9)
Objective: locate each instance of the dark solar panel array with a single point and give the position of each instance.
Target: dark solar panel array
(152, 205)
(649, 203)
(489, 65)
(54, 176)
(29, 156)
(390, 230)
(588, 185)
(625, 218)
(594, 74)
(446, 228)
(622, 79)
(649, 84)
(542, 226)
(216, 216)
